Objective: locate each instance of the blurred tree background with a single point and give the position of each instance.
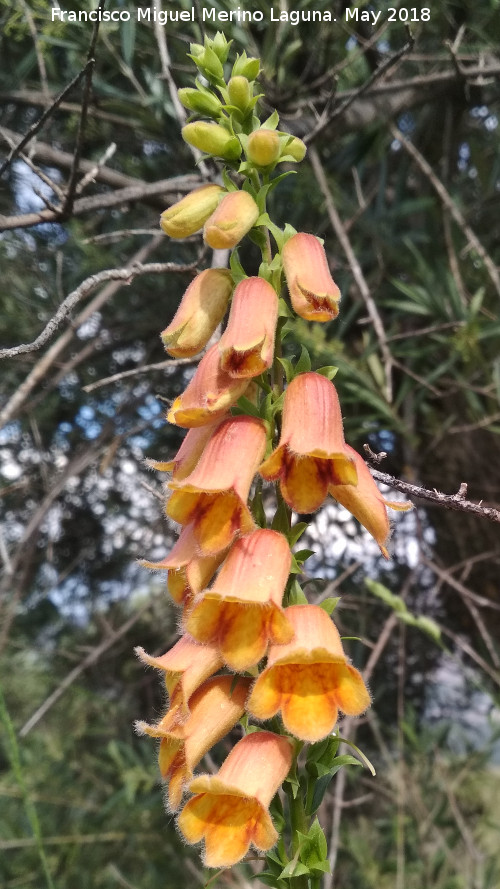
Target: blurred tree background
(402, 180)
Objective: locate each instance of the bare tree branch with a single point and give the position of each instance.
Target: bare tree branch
(449, 501)
(126, 275)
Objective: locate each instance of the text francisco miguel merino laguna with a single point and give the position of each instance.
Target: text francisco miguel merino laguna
(209, 14)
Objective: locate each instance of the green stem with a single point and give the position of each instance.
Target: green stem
(299, 822)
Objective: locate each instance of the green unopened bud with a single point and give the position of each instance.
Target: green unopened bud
(295, 148)
(201, 102)
(240, 92)
(188, 215)
(247, 67)
(212, 139)
(221, 46)
(264, 147)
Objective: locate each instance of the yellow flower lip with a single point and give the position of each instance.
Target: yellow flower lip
(309, 679)
(230, 810)
(313, 292)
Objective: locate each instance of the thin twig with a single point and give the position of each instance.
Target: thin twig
(357, 272)
(70, 195)
(43, 117)
(326, 120)
(126, 275)
(40, 369)
(449, 501)
(450, 205)
(159, 365)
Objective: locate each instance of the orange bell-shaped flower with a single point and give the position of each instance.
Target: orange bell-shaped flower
(242, 612)
(215, 707)
(309, 680)
(231, 221)
(230, 810)
(188, 572)
(247, 344)
(201, 309)
(311, 454)
(213, 497)
(367, 504)
(313, 292)
(209, 395)
(185, 667)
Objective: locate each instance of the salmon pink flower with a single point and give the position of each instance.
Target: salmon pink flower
(367, 504)
(313, 292)
(188, 215)
(201, 309)
(311, 454)
(215, 707)
(188, 454)
(247, 344)
(213, 496)
(309, 680)
(188, 571)
(242, 612)
(231, 221)
(208, 396)
(185, 667)
(230, 810)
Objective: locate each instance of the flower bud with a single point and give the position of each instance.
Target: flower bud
(200, 101)
(212, 138)
(221, 46)
(295, 149)
(247, 67)
(189, 215)
(233, 218)
(202, 308)
(264, 147)
(239, 92)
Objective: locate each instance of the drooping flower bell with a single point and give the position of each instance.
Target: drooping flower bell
(213, 497)
(215, 707)
(309, 679)
(209, 395)
(367, 504)
(231, 221)
(241, 613)
(185, 666)
(189, 452)
(247, 344)
(188, 572)
(311, 454)
(188, 215)
(201, 309)
(313, 292)
(230, 810)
